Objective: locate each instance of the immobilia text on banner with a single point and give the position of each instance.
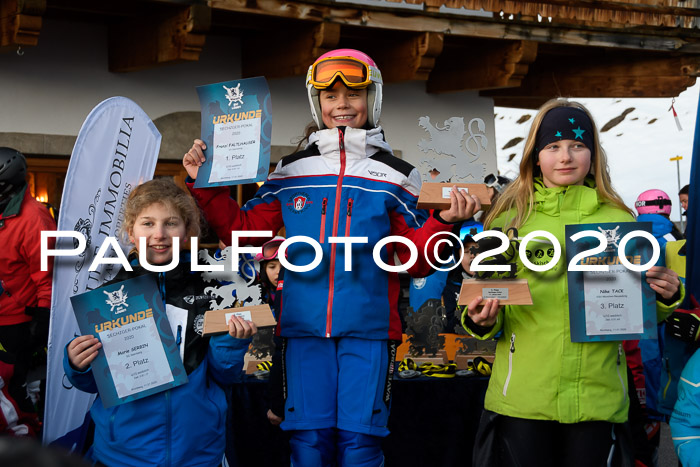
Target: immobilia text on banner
(117, 148)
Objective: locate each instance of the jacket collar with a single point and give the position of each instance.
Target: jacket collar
(359, 143)
(581, 199)
(15, 204)
(183, 265)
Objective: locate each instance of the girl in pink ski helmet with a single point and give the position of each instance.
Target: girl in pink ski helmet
(269, 267)
(339, 321)
(653, 202)
(654, 206)
(356, 70)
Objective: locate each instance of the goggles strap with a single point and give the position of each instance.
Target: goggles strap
(653, 202)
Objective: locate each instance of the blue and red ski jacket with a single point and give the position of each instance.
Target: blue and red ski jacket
(346, 183)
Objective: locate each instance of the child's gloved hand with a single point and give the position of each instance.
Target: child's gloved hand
(39, 326)
(684, 326)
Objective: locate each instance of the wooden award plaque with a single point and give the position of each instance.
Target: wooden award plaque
(437, 195)
(507, 291)
(440, 358)
(216, 321)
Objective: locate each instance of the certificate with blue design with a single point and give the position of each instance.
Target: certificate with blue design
(139, 354)
(237, 130)
(613, 304)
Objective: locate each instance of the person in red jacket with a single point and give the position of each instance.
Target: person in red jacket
(25, 290)
(13, 420)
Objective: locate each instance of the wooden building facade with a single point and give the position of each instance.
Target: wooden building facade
(526, 51)
(512, 53)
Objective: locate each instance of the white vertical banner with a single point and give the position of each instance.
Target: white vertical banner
(116, 149)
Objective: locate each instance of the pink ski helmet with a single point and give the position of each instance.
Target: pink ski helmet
(269, 249)
(653, 202)
(356, 70)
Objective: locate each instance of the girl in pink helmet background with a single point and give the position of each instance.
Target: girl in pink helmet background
(340, 320)
(654, 206)
(270, 269)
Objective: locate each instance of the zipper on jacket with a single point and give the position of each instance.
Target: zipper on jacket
(619, 375)
(336, 214)
(667, 367)
(348, 218)
(510, 364)
(111, 425)
(324, 206)
(161, 286)
(178, 339)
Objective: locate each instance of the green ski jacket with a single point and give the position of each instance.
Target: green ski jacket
(538, 372)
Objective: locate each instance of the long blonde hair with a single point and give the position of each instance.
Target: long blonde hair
(519, 196)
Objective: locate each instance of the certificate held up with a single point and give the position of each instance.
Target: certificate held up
(237, 130)
(139, 355)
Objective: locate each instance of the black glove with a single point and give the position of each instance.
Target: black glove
(684, 326)
(39, 326)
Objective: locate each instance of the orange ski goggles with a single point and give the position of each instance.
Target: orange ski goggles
(354, 73)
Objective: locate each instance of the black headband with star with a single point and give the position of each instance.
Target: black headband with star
(562, 123)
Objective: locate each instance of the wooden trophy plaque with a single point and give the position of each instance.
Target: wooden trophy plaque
(216, 321)
(437, 195)
(440, 358)
(507, 291)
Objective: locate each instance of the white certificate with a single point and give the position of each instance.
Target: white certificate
(236, 150)
(613, 301)
(136, 357)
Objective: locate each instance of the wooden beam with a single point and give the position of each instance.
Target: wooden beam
(20, 23)
(606, 76)
(520, 102)
(638, 7)
(610, 86)
(170, 37)
(410, 59)
(610, 13)
(483, 65)
(621, 65)
(288, 52)
(658, 87)
(396, 19)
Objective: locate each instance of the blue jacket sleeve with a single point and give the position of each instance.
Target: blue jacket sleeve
(685, 420)
(225, 357)
(82, 380)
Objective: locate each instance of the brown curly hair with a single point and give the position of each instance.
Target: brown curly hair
(165, 192)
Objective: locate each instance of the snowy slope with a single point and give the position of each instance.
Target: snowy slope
(638, 148)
